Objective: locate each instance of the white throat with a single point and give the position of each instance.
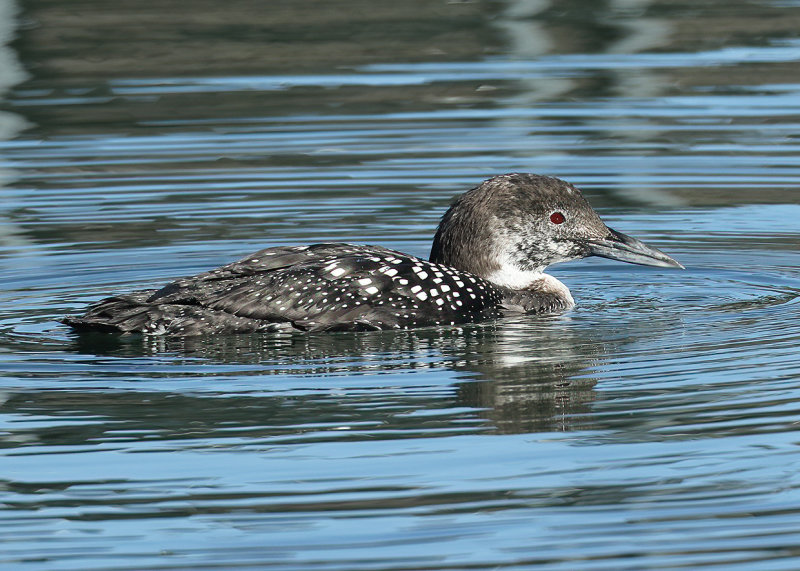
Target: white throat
(512, 277)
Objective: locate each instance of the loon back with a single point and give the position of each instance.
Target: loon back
(323, 287)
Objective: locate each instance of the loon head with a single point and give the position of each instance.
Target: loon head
(511, 227)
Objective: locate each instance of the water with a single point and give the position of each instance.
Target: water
(653, 427)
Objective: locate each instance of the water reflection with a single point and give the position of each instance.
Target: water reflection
(509, 378)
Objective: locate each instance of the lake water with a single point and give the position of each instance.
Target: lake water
(653, 427)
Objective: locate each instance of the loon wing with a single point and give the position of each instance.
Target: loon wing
(266, 260)
(182, 306)
(331, 288)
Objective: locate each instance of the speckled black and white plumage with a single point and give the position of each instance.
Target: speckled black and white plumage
(487, 260)
(324, 287)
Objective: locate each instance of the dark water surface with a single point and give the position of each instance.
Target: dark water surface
(653, 427)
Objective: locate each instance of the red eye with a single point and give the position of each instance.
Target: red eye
(557, 218)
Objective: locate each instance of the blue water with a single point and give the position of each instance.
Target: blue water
(652, 427)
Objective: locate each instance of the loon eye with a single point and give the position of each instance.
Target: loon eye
(557, 218)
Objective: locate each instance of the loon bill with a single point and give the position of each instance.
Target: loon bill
(487, 260)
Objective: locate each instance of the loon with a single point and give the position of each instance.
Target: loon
(487, 260)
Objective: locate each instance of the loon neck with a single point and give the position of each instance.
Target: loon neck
(531, 281)
(510, 276)
(501, 272)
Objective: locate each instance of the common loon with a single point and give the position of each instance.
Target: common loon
(487, 260)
